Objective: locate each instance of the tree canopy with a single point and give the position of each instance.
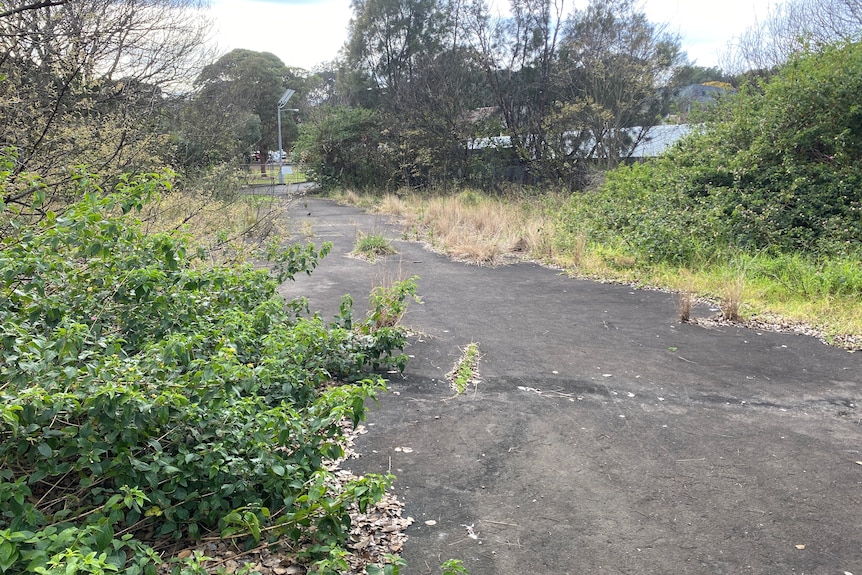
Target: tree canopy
(87, 82)
(556, 92)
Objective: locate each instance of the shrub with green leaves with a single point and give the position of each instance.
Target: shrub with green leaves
(778, 169)
(148, 397)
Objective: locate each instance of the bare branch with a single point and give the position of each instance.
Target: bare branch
(33, 6)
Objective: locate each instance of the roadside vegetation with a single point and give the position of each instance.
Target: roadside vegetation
(152, 396)
(759, 210)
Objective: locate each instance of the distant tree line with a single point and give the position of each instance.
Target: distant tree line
(440, 91)
(424, 93)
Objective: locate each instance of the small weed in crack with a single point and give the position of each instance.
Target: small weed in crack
(466, 370)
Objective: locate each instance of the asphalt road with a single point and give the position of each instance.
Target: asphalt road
(604, 436)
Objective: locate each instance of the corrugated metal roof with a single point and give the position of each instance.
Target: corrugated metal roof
(658, 139)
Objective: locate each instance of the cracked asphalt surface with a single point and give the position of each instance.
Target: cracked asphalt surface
(604, 436)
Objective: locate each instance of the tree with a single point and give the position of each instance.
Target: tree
(86, 82)
(791, 28)
(573, 88)
(234, 90)
(342, 146)
(518, 55)
(387, 38)
(433, 119)
(566, 91)
(687, 74)
(613, 66)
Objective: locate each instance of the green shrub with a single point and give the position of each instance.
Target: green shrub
(147, 397)
(777, 170)
(338, 147)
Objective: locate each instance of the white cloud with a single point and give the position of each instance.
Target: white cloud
(706, 28)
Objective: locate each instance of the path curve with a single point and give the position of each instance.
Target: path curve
(604, 437)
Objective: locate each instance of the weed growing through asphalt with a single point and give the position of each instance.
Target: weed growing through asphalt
(454, 567)
(372, 246)
(732, 291)
(394, 564)
(685, 297)
(307, 229)
(466, 370)
(388, 304)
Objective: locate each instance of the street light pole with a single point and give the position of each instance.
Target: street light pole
(282, 102)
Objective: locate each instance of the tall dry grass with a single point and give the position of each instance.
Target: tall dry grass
(732, 292)
(228, 229)
(473, 227)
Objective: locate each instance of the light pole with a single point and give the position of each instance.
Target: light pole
(282, 102)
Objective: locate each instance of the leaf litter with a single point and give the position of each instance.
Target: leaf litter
(380, 531)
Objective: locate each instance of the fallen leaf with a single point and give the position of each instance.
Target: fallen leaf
(800, 547)
(430, 522)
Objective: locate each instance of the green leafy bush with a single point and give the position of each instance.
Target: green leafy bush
(777, 170)
(338, 146)
(145, 396)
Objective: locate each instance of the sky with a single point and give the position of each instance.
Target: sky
(304, 33)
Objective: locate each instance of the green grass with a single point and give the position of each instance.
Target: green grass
(372, 246)
(777, 289)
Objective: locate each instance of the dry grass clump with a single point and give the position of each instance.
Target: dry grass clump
(686, 296)
(732, 290)
(536, 239)
(476, 231)
(393, 205)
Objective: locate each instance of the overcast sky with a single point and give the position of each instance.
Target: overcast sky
(304, 33)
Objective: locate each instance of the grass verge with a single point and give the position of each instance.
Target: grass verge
(820, 297)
